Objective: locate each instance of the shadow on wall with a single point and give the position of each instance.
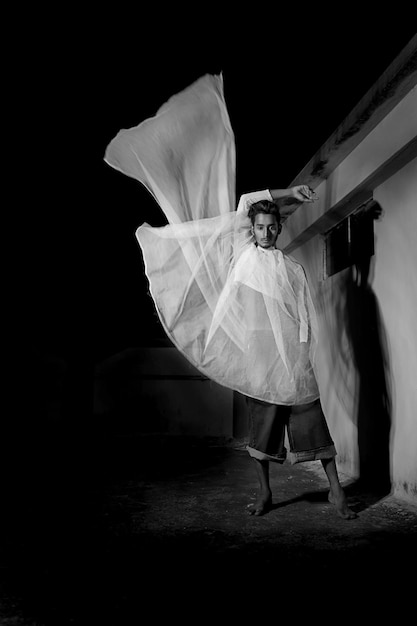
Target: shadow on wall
(360, 341)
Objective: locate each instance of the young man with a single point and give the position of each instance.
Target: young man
(240, 313)
(308, 433)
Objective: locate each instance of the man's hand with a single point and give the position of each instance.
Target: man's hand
(304, 193)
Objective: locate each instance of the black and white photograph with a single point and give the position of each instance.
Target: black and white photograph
(214, 408)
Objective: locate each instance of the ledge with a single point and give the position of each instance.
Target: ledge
(393, 85)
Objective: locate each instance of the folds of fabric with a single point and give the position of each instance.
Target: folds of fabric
(185, 155)
(242, 315)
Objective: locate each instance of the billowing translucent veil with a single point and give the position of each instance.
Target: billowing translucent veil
(242, 315)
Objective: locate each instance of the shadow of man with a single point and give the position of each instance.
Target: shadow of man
(366, 333)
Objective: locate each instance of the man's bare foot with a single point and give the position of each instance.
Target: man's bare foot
(339, 501)
(262, 505)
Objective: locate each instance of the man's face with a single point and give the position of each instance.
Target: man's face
(265, 230)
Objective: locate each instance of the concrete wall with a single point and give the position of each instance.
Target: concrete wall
(345, 374)
(395, 285)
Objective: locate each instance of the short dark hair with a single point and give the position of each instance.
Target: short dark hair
(264, 206)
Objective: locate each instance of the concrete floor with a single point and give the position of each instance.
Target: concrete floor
(158, 526)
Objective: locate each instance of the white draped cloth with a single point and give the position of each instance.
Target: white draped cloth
(242, 315)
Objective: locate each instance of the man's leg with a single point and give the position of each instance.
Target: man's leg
(310, 440)
(337, 495)
(266, 444)
(264, 500)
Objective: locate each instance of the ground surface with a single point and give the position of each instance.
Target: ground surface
(159, 527)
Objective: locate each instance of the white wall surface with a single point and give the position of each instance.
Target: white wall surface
(394, 283)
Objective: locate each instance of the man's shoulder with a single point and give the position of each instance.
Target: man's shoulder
(290, 260)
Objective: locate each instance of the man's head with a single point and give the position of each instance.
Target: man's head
(266, 223)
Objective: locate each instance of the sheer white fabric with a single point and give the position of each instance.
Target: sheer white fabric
(242, 315)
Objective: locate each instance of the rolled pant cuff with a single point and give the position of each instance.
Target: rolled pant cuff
(327, 452)
(262, 456)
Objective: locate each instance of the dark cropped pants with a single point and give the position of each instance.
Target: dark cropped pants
(308, 434)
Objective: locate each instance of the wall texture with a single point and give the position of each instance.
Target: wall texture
(367, 358)
(395, 285)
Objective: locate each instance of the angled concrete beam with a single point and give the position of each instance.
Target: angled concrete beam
(393, 85)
